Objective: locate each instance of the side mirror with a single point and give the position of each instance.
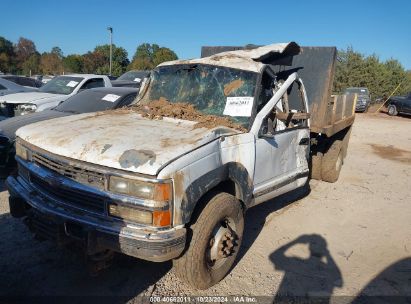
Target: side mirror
(269, 132)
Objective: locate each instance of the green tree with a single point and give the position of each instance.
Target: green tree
(32, 65)
(147, 56)
(356, 70)
(73, 63)
(120, 59)
(6, 55)
(162, 55)
(57, 50)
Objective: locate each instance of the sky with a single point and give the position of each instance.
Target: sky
(380, 27)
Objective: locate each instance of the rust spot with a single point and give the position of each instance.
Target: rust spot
(105, 148)
(233, 86)
(392, 153)
(222, 57)
(136, 158)
(179, 184)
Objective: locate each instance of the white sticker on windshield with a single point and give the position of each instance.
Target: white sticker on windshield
(137, 79)
(72, 84)
(111, 97)
(239, 106)
(362, 90)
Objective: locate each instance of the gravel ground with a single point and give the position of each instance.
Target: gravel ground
(344, 239)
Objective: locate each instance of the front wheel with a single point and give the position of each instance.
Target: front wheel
(216, 238)
(392, 110)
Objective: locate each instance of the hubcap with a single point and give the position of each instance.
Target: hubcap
(223, 242)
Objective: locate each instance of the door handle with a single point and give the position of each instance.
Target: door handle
(304, 141)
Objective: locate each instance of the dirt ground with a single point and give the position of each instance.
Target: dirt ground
(349, 238)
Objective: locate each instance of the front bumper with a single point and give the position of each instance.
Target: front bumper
(361, 107)
(49, 221)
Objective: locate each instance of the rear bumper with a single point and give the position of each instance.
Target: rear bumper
(62, 225)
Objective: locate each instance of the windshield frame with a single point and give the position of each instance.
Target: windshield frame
(146, 89)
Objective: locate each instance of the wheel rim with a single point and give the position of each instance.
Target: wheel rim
(223, 243)
(391, 110)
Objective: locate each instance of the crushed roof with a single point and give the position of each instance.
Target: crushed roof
(247, 59)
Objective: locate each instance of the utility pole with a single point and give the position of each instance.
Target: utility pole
(110, 29)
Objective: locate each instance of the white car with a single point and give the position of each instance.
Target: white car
(51, 94)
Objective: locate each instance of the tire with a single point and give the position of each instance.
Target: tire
(196, 266)
(316, 164)
(392, 110)
(332, 162)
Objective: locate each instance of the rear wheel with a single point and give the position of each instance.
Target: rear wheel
(216, 238)
(316, 164)
(332, 162)
(392, 110)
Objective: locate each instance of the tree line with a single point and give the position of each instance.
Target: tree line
(354, 69)
(23, 58)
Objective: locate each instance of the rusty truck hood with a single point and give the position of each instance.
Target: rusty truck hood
(119, 139)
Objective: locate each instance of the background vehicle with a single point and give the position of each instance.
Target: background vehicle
(8, 87)
(130, 79)
(399, 104)
(51, 94)
(23, 81)
(91, 100)
(363, 98)
(172, 179)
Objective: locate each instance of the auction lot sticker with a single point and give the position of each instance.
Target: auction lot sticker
(72, 84)
(111, 97)
(239, 106)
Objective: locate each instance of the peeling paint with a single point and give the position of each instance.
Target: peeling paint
(136, 158)
(105, 148)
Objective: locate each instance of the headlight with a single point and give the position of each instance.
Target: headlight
(130, 213)
(158, 218)
(27, 108)
(159, 192)
(21, 151)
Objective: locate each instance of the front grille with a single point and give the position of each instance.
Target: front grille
(69, 196)
(83, 176)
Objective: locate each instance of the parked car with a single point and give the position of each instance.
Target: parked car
(8, 87)
(93, 100)
(51, 94)
(23, 81)
(363, 98)
(171, 179)
(399, 104)
(130, 79)
(46, 78)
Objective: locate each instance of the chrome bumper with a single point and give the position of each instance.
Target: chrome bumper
(98, 233)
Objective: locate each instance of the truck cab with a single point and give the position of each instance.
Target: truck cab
(172, 177)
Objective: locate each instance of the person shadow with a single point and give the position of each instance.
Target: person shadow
(313, 278)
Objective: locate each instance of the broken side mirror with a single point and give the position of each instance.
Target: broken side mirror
(268, 130)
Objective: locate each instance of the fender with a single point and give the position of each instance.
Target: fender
(233, 172)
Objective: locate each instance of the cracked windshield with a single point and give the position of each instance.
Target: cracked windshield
(207, 88)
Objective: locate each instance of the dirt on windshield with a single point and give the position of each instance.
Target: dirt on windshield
(160, 108)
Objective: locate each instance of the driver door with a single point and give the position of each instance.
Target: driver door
(282, 146)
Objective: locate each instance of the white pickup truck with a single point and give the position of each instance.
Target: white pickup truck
(51, 94)
(172, 177)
